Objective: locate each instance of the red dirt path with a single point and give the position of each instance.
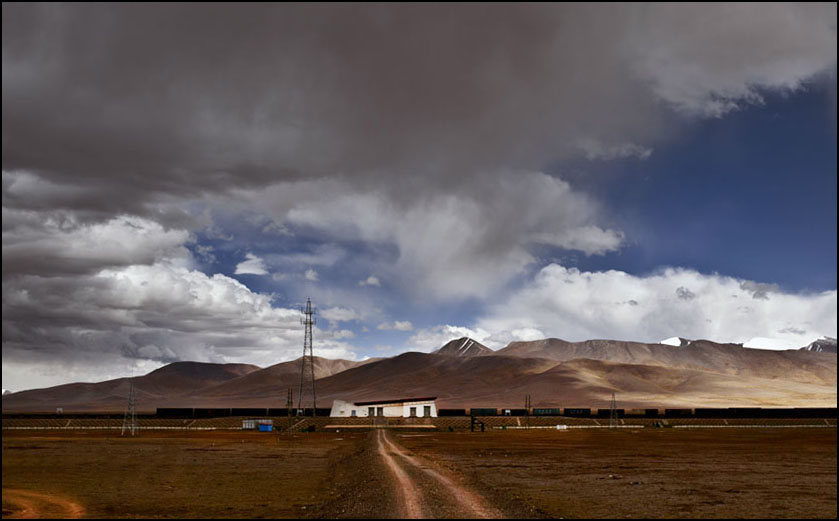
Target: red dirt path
(27, 504)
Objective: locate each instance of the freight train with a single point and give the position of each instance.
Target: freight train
(256, 412)
(574, 412)
(581, 412)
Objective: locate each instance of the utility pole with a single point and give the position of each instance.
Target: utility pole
(289, 403)
(527, 411)
(613, 413)
(308, 320)
(129, 421)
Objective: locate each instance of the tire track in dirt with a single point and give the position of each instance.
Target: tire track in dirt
(411, 498)
(36, 505)
(471, 503)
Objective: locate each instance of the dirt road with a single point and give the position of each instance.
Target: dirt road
(27, 504)
(426, 491)
(409, 495)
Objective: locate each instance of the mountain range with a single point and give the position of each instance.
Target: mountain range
(465, 373)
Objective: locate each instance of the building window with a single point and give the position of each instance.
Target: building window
(413, 412)
(371, 411)
(426, 411)
(353, 413)
(380, 411)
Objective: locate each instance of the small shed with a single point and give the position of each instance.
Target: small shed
(261, 424)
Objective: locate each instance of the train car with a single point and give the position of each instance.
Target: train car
(706, 412)
(547, 412)
(279, 411)
(815, 412)
(249, 411)
(514, 412)
(308, 411)
(779, 412)
(678, 413)
(174, 412)
(210, 412)
(651, 413)
(483, 411)
(577, 412)
(745, 412)
(606, 413)
(451, 412)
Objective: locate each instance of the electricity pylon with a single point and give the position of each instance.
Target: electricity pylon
(308, 320)
(129, 421)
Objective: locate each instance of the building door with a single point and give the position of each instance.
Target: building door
(426, 411)
(380, 411)
(353, 413)
(413, 412)
(371, 411)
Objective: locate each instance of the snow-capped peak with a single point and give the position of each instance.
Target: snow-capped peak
(824, 344)
(675, 341)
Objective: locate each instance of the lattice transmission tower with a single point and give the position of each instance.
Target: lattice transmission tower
(613, 413)
(308, 320)
(129, 421)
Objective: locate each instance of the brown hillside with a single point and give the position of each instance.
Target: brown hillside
(503, 381)
(553, 372)
(111, 395)
(702, 355)
(271, 382)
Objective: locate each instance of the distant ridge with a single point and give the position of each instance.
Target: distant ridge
(702, 355)
(464, 346)
(464, 373)
(822, 345)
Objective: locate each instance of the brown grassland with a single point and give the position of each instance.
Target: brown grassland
(716, 473)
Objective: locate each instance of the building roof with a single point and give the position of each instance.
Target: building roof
(398, 400)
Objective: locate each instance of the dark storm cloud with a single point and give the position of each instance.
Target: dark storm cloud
(419, 126)
(174, 99)
(136, 101)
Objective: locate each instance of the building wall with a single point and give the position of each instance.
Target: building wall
(344, 409)
(420, 408)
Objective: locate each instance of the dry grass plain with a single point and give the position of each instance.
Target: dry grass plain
(177, 474)
(714, 473)
(647, 473)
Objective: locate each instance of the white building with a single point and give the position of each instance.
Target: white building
(401, 408)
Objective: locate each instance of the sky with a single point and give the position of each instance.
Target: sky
(179, 179)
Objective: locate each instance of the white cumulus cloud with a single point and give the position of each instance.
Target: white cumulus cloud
(398, 325)
(341, 314)
(252, 266)
(372, 280)
(575, 305)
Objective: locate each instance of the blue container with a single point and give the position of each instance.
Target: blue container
(263, 427)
